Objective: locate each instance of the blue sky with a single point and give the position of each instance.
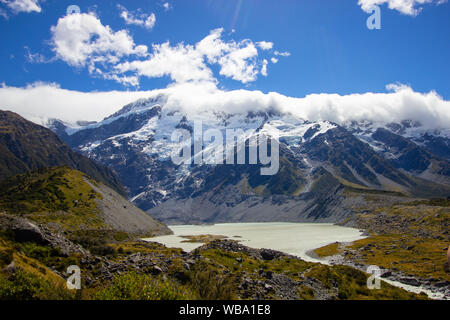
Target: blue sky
(292, 47)
(331, 49)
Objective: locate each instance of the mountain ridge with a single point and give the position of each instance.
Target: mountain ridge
(136, 142)
(26, 146)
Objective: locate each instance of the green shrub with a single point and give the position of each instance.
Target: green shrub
(48, 256)
(23, 285)
(97, 241)
(132, 286)
(38, 252)
(121, 236)
(212, 286)
(103, 250)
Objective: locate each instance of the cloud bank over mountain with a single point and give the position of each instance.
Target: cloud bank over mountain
(41, 101)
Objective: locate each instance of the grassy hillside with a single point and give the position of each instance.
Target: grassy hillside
(23, 277)
(52, 195)
(410, 237)
(68, 200)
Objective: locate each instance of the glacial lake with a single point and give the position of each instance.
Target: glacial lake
(292, 238)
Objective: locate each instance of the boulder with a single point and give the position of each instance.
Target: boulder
(410, 281)
(27, 231)
(157, 270)
(267, 254)
(386, 274)
(443, 284)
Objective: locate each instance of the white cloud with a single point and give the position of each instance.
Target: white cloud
(181, 63)
(81, 40)
(401, 103)
(147, 21)
(238, 60)
(274, 60)
(17, 6)
(167, 6)
(36, 57)
(408, 7)
(264, 68)
(41, 101)
(265, 45)
(240, 63)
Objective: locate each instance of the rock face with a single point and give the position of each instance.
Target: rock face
(26, 231)
(228, 206)
(122, 215)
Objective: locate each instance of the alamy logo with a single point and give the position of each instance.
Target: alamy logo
(74, 18)
(374, 21)
(74, 281)
(211, 148)
(374, 282)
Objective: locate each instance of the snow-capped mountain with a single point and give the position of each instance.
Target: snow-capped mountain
(409, 146)
(317, 160)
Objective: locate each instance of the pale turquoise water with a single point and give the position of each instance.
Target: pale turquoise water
(292, 238)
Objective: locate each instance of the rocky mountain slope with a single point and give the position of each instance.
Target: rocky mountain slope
(319, 162)
(25, 146)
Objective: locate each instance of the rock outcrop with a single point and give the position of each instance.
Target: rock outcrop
(24, 230)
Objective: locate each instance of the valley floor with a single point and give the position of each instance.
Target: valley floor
(44, 231)
(131, 269)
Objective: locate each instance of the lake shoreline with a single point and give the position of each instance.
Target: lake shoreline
(291, 238)
(410, 283)
(204, 231)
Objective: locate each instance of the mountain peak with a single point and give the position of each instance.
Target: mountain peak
(140, 106)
